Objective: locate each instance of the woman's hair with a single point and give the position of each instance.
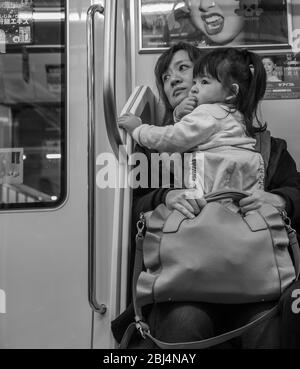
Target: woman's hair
(161, 67)
(240, 66)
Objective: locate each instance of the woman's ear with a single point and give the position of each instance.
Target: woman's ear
(235, 88)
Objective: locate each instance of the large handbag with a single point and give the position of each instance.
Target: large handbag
(220, 256)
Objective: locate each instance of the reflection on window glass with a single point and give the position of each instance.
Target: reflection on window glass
(32, 103)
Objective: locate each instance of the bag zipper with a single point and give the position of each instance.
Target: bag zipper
(287, 221)
(140, 225)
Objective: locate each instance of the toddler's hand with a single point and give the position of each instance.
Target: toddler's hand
(186, 106)
(258, 198)
(129, 122)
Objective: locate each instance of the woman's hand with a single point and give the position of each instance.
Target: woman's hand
(258, 198)
(185, 201)
(129, 122)
(186, 106)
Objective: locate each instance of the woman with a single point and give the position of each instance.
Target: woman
(147, 199)
(175, 322)
(270, 67)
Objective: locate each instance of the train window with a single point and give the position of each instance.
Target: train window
(32, 103)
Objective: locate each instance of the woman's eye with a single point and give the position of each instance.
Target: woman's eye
(183, 67)
(165, 77)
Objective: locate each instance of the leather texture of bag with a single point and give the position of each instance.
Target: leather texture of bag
(220, 256)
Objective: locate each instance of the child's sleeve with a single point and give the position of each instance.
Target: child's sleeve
(194, 129)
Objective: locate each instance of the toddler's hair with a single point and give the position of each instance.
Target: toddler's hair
(240, 66)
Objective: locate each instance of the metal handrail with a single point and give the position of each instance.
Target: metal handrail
(109, 77)
(99, 308)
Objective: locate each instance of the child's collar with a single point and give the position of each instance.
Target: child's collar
(228, 108)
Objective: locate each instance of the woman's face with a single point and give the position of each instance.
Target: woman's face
(178, 78)
(269, 65)
(217, 19)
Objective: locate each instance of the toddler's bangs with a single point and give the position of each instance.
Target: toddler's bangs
(215, 66)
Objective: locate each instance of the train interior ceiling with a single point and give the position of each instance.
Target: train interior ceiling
(64, 78)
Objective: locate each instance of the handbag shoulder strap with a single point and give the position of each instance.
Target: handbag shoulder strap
(213, 341)
(263, 145)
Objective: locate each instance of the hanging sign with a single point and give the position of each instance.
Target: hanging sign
(55, 77)
(11, 166)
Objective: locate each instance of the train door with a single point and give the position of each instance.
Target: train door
(49, 275)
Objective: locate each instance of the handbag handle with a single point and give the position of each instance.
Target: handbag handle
(227, 194)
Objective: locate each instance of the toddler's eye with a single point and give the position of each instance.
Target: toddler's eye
(204, 82)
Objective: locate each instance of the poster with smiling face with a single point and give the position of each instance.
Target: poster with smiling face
(206, 23)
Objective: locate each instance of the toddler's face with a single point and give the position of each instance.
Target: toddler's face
(208, 90)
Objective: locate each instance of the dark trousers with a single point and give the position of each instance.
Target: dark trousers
(183, 322)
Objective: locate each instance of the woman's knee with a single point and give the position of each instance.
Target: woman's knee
(176, 322)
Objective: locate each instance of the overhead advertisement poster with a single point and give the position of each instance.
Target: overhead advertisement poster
(246, 23)
(16, 21)
(283, 75)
